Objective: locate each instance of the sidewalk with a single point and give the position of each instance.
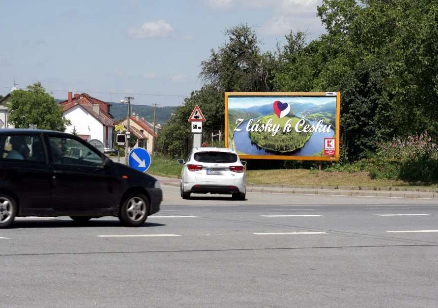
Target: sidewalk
(324, 191)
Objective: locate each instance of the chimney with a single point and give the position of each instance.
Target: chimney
(70, 97)
(137, 117)
(77, 95)
(96, 108)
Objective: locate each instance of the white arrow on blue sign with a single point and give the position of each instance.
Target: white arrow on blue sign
(139, 159)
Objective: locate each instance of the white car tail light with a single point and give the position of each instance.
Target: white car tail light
(238, 169)
(192, 167)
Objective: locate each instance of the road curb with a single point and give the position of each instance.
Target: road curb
(329, 192)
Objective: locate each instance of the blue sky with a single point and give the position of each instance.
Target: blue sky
(151, 50)
(246, 102)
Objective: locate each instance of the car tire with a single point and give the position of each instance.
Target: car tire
(8, 210)
(134, 210)
(184, 195)
(80, 219)
(239, 196)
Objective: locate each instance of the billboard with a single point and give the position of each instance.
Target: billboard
(283, 125)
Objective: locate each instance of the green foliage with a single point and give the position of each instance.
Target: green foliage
(175, 137)
(165, 166)
(35, 108)
(239, 65)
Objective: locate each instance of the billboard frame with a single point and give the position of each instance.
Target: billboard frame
(289, 94)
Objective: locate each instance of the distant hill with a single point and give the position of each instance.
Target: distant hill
(119, 111)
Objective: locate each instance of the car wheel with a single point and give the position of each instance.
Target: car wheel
(184, 195)
(239, 196)
(80, 219)
(8, 210)
(134, 210)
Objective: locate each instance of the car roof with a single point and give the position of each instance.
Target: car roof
(26, 131)
(212, 149)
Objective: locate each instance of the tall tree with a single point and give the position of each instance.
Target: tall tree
(238, 65)
(35, 107)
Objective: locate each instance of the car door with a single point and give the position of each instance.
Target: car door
(81, 181)
(24, 170)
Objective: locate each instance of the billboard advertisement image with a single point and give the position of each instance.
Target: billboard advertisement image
(286, 125)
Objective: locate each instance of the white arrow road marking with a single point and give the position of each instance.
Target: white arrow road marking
(140, 235)
(414, 231)
(141, 163)
(292, 233)
(291, 215)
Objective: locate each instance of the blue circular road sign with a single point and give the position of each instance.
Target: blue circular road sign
(139, 159)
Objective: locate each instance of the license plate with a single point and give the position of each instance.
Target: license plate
(213, 172)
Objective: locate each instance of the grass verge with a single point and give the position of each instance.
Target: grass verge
(165, 166)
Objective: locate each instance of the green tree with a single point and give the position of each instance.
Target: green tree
(35, 107)
(1, 96)
(239, 65)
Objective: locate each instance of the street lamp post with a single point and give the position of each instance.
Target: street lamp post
(127, 100)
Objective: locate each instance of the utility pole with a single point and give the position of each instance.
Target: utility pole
(155, 121)
(128, 101)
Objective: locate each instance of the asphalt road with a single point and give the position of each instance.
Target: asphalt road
(272, 250)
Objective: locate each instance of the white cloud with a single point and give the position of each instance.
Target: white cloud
(152, 29)
(179, 78)
(149, 76)
(283, 15)
(220, 4)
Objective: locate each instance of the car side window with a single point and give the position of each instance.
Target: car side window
(22, 147)
(68, 151)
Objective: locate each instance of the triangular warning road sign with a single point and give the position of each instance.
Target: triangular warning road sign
(196, 115)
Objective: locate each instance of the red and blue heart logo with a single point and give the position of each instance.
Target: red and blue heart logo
(281, 109)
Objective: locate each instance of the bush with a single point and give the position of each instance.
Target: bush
(412, 159)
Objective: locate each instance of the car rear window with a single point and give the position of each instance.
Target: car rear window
(215, 157)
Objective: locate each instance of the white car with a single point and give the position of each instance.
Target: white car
(215, 171)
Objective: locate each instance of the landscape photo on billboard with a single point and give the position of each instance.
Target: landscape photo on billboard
(281, 125)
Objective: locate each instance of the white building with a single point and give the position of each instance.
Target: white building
(90, 118)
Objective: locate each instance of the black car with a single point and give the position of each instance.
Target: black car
(48, 173)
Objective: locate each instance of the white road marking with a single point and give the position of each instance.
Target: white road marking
(414, 231)
(291, 233)
(291, 215)
(173, 216)
(4, 238)
(425, 198)
(37, 218)
(140, 235)
(391, 215)
(367, 196)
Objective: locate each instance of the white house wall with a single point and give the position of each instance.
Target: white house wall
(84, 123)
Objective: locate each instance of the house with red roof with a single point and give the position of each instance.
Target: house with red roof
(90, 118)
(143, 131)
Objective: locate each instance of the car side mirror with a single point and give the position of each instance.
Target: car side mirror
(243, 162)
(181, 161)
(106, 161)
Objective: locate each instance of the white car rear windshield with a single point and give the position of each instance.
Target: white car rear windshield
(215, 157)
